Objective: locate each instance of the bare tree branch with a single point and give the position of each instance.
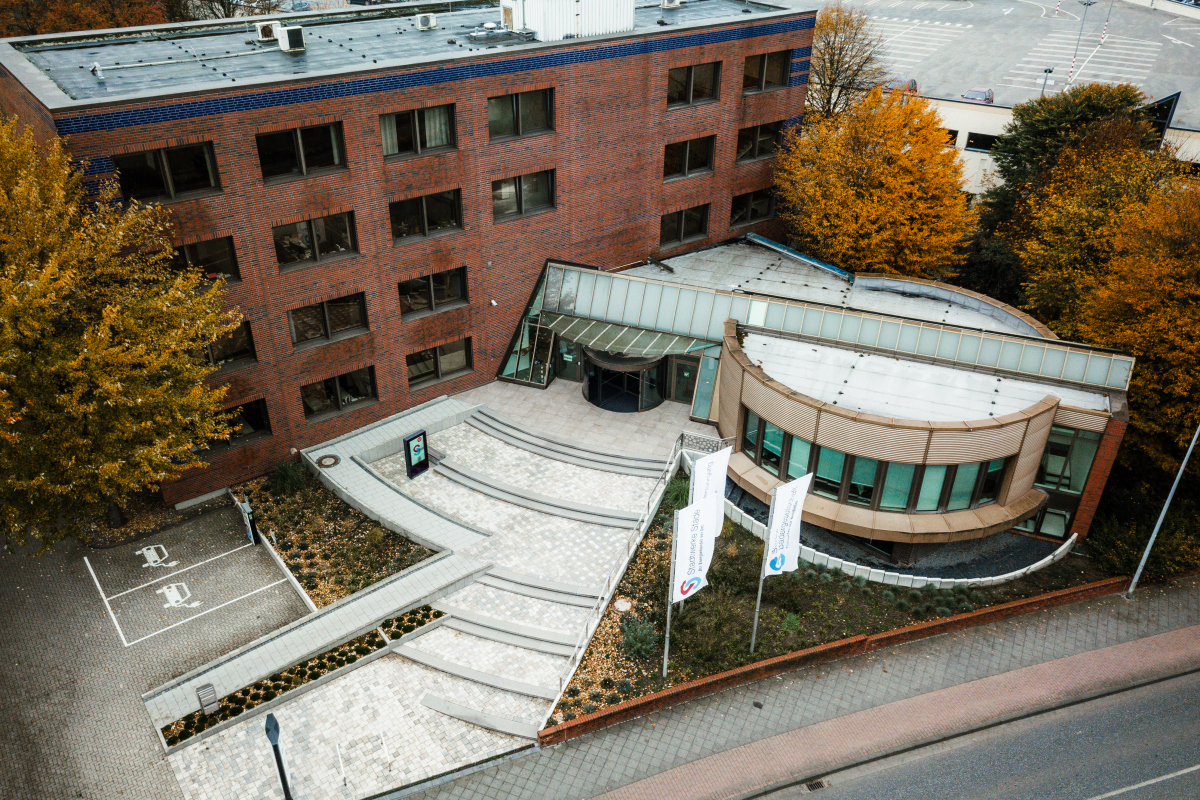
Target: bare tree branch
(847, 61)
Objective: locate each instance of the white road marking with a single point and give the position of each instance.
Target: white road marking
(178, 571)
(202, 613)
(105, 599)
(1178, 41)
(1150, 782)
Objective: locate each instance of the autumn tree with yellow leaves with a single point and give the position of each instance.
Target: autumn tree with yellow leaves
(876, 189)
(102, 387)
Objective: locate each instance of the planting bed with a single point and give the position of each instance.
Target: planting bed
(800, 609)
(331, 548)
(241, 701)
(407, 623)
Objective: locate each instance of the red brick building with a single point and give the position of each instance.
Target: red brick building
(384, 193)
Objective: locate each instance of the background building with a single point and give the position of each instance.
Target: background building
(382, 187)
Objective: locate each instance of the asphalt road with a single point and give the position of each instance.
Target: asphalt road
(1099, 749)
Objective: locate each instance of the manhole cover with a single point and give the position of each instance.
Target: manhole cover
(328, 461)
(623, 604)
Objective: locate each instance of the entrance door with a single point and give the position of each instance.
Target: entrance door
(683, 380)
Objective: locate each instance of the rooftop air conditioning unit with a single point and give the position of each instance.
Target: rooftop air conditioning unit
(267, 31)
(291, 40)
(426, 22)
(671, 4)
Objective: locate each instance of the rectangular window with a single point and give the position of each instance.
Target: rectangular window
(752, 207)
(418, 131)
(237, 346)
(215, 258)
(862, 481)
(993, 476)
(897, 484)
(432, 293)
(424, 216)
(750, 436)
(798, 452)
(772, 449)
(1067, 459)
(766, 71)
(951, 137)
(437, 363)
(249, 421)
(334, 395)
(521, 114)
(681, 226)
(963, 487)
(333, 319)
(525, 194)
(759, 141)
(827, 480)
(690, 85)
(980, 142)
(301, 151)
(169, 174)
(312, 240)
(688, 158)
(930, 496)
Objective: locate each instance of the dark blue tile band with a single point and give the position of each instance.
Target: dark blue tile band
(334, 89)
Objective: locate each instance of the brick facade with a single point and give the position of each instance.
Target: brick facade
(611, 124)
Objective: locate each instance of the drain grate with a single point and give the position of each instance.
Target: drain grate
(812, 786)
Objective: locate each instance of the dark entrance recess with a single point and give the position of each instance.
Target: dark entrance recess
(624, 384)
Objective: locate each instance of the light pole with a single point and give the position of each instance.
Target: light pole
(1133, 584)
(1086, 4)
(1104, 33)
(272, 727)
(1045, 78)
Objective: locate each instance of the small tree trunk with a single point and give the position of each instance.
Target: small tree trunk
(115, 517)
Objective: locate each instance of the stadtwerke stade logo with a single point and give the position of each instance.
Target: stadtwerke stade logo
(687, 586)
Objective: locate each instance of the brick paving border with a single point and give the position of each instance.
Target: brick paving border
(854, 645)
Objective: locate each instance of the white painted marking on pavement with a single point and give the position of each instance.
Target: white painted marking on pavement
(178, 571)
(105, 599)
(202, 613)
(1150, 782)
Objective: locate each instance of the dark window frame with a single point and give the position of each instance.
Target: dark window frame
(974, 145)
(754, 155)
(434, 308)
(679, 226)
(416, 123)
(520, 184)
(751, 220)
(763, 86)
(211, 357)
(691, 85)
(437, 376)
(458, 212)
(185, 257)
(951, 136)
(687, 147)
(348, 333)
(164, 167)
(340, 408)
(298, 146)
(549, 97)
(316, 257)
(259, 433)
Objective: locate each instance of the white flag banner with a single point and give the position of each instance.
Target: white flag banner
(697, 528)
(708, 475)
(783, 539)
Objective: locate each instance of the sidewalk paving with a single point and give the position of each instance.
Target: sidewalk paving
(667, 742)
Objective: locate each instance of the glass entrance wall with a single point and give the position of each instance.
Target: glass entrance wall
(622, 383)
(1066, 464)
(530, 354)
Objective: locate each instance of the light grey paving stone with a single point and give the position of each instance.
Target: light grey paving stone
(518, 610)
(475, 675)
(475, 717)
(514, 639)
(495, 658)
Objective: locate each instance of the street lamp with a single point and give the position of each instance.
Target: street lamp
(1104, 33)
(1045, 79)
(272, 728)
(1154, 534)
(1086, 4)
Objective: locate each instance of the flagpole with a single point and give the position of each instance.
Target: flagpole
(670, 590)
(762, 571)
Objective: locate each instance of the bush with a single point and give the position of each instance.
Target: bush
(236, 710)
(625, 686)
(612, 698)
(826, 577)
(902, 605)
(791, 623)
(859, 581)
(810, 573)
(568, 715)
(362, 649)
(550, 723)
(572, 691)
(820, 567)
(588, 708)
(977, 598)
(350, 659)
(888, 595)
(287, 478)
(915, 596)
(965, 605)
(639, 640)
(942, 611)
(268, 695)
(844, 585)
(607, 684)
(1116, 544)
(676, 493)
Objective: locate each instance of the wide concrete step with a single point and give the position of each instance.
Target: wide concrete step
(562, 450)
(525, 631)
(514, 639)
(495, 722)
(487, 679)
(545, 583)
(534, 591)
(487, 485)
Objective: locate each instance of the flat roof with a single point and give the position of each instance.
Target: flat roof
(952, 47)
(888, 386)
(755, 268)
(224, 54)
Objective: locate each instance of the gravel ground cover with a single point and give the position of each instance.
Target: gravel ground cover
(800, 609)
(332, 549)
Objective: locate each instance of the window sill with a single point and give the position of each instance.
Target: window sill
(974, 149)
(413, 316)
(735, 225)
(231, 366)
(337, 337)
(516, 137)
(705, 102)
(420, 237)
(299, 265)
(685, 176)
(756, 159)
(775, 87)
(276, 180)
(513, 217)
(324, 415)
(412, 387)
(163, 200)
(233, 444)
(433, 151)
(680, 242)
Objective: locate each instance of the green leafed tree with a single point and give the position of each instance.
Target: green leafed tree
(102, 388)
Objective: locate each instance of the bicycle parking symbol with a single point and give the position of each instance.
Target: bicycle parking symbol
(156, 556)
(177, 596)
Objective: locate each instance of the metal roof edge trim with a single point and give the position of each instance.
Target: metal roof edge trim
(798, 256)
